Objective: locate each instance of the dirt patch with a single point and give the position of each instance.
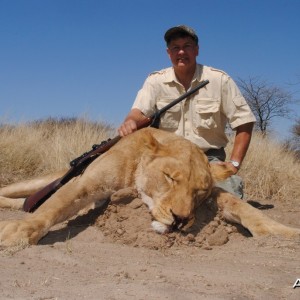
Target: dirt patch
(113, 253)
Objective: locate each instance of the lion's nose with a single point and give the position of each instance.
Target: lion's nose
(179, 222)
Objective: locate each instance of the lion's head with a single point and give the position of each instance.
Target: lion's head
(173, 178)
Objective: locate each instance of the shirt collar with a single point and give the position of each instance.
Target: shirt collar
(170, 76)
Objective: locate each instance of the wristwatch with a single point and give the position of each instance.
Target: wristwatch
(236, 164)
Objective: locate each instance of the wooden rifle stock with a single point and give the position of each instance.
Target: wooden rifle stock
(79, 164)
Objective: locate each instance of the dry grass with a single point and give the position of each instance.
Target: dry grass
(270, 172)
(40, 147)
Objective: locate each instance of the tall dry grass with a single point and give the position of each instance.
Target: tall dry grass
(40, 147)
(269, 171)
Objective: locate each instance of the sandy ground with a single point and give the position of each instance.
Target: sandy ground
(112, 253)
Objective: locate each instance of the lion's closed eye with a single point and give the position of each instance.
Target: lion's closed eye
(169, 178)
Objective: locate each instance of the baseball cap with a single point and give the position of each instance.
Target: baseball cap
(180, 30)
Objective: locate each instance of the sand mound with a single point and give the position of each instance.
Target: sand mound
(130, 224)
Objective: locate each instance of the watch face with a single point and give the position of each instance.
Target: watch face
(235, 163)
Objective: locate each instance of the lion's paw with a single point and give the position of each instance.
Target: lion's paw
(275, 229)
(292, 233)
(16, 232)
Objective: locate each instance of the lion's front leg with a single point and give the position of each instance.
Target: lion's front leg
(64, 204)
(237, 211)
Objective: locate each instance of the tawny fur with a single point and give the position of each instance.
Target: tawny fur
(169, 173)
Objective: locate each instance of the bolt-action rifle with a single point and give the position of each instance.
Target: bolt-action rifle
(78, 165)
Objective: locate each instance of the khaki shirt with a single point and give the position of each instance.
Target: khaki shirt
(203, 116)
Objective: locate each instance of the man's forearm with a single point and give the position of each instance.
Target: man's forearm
(135, 115)
(241, 142)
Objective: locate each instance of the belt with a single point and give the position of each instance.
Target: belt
(218, 153)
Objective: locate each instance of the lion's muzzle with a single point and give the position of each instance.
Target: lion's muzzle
(172, 223)
(179, 222)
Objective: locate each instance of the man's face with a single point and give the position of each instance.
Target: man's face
(183, 52)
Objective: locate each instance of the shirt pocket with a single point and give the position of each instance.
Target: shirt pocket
(171, 118)
(205, 113)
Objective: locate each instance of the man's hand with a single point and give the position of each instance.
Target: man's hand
(131, 122)
(127, 127)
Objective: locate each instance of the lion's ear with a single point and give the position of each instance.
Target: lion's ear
(220, 172)
(149, 141)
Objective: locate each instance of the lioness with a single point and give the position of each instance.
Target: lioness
(170, 174)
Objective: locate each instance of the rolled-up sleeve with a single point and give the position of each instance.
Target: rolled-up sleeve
(145, 100)
(234, 105)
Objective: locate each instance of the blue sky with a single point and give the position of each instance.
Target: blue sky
(69, 58)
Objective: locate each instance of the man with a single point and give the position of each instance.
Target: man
(201, 118)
